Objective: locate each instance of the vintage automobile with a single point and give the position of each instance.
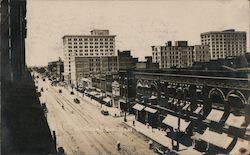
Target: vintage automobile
(60, 90)
(76, 100)
(71, 93)
(105, 112)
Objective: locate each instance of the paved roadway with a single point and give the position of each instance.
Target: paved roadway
(82, 129)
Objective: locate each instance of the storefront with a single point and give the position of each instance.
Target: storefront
(139, 112)
(151, 116)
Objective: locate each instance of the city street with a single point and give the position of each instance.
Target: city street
(82, 129)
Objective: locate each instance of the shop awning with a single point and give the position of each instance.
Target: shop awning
(186, 106)
(98, 95)
(173, 122)
(175, 102)
(138, 107)
(215, 115)
(153, 97)
(150, 110)
(107, 99)
(182, 103)
(235, 121)
(197, 110)
(221, 140)
(93, 93)
(122, 101)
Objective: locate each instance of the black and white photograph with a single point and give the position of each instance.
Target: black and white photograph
(125, 77)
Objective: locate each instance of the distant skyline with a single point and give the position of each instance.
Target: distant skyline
(137, 24)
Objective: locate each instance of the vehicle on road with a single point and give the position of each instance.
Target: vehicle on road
(76, 100)
(105, 112)
(44, 107)
(43, 79)
(162, 150)
(71, 93)
(60, 90)
(42, 89)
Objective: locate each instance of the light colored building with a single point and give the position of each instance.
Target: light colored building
(180, 56)
(98, 44)
(83, 67)
(225, 43)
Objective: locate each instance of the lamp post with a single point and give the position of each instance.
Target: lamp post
(126, 97)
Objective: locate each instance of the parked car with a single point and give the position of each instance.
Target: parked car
(162, 150)
(76, 100)
(60, 90)
(43, 79)
(105, 112)
(71, 93)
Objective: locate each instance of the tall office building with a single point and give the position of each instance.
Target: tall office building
(225, 43)
(98, 44)
(13, 34)
(180, 56)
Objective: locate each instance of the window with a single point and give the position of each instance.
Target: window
(75, 39)
(69, 39)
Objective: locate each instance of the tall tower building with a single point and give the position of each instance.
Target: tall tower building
(225, 43)
(98, 44)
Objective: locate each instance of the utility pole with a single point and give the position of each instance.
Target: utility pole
(126, 95)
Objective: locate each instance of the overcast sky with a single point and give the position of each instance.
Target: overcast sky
(137, 24)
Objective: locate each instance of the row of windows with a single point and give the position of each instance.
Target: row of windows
(96, 43)
(225, 35)
(87, 54)
(91, 39)
(92, 46)
(91, 50)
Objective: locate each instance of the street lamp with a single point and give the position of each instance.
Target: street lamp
(126, 97)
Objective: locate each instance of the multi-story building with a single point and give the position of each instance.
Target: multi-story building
(179, 56)
(147, 65)
(126, 60)
(98, 44)
(225, 43)
(56, 69)
(83, 67)
(13, 34)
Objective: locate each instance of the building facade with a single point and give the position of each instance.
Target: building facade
(147, 65)
(225, 43)
(13, 34)
(179, 56)
(126, 60)
(83, 67)
(98, 44)
(56, 69)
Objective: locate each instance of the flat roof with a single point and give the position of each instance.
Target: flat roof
(88, 36)
(222, 32)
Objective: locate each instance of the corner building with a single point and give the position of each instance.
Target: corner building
(227, 43)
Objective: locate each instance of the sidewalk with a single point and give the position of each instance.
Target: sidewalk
(158, 136)
(115, 112)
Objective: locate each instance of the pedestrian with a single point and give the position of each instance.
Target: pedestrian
(133, 122)
(118, 145)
